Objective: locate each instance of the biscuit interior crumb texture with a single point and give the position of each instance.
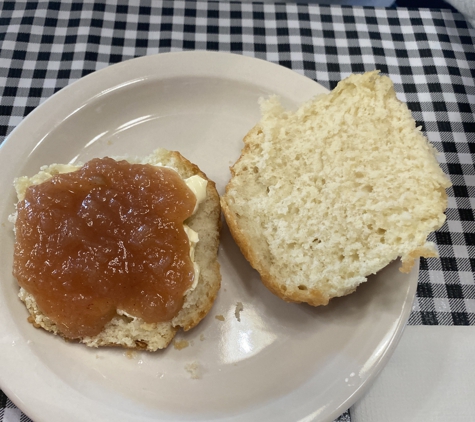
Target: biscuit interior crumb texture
(126, 330)
(326, 195)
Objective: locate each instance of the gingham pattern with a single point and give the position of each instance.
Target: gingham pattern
(429, 54)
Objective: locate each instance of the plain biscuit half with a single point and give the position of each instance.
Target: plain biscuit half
(326, 195)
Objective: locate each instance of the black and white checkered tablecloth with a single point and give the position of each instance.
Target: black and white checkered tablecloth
(429, 54)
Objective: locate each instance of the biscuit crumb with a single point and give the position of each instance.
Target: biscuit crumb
(202, 337)
(237, 311)
(131, 354)
(180, 344)
(194, 369)
(109, 142)
(219, 317)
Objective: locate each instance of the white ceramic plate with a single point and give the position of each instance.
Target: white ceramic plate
(281, 361)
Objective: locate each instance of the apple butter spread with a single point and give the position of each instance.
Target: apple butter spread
(105, 237)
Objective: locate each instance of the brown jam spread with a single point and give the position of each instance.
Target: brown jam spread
(108, 236)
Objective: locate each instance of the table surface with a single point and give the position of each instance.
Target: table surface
(429, 54)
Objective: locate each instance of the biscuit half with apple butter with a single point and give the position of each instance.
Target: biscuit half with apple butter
(118, 251)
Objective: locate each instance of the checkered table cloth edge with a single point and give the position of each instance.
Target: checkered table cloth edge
(429, 54)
